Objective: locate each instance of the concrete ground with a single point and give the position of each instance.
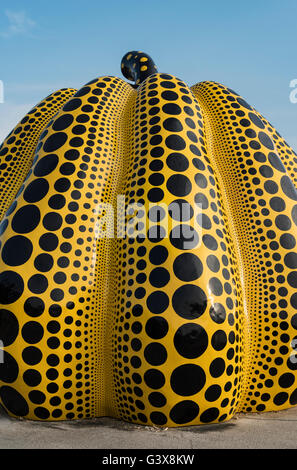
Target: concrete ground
(249, 431)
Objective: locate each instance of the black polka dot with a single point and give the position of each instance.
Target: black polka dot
(211, 414)
(218, 313)
(210, 242)
(142, 417)
(288, 188)
(156, 165)
(158, 255)
(169, 95)
(48, 241)
(256, 120)
(187, 379)
(156, 233)
(175, 142)
(31, 355)
(62, 185)
(276, 162)
(52, 221)
(67, 168)
(215, 286)
(189, 301)
(157, 302)
(38, 283)
(167, 84)
(155, 194)
(37, 397)
(271, 187)
(83, 91)
(177, 162)
(294, 321)
(156, 327)
(204, 221)
(155, 354)
(291, 260)
(294, 214)
(154, 378)
(287, 241)
(280, 398)
(159, 277)
(173, 125)
(190, 340)
(57, 295)
(213, 393)
(26, 219)
(43, 262)
(277, 204)
(184, 412)
(13, 401)
(219, 340)
(198, 164)
(213, 263)
(57, 201)
(283, 222)
(63, 122)
(9, 369)
(292, 279)
(171, 108)
(266, 141)
(32, 332)
(157, 399)
(200, 180)
(217, 367)
(293, 300)
(158, 418)
(293, 398)
(72, 154)
(41, 412)
(266, 171)
(17, 250)
(156, 213)
(3, 226)
(286, 380)
(32, 377)
(72, 104)
(11, 287)
(34, 306)
(46, 165)
(187, 267)
(36, 190)
(9, 327)
(55, 141)
(179, 185)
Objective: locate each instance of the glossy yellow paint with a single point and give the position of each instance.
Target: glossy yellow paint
(252, 161)
(17, 151)
(173, 328)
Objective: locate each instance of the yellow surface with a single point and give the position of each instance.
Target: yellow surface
(150, 331)
(17, 150)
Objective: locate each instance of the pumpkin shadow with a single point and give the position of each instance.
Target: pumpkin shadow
(121, 425)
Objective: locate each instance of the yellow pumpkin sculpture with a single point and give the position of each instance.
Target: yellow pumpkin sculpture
(191, 320)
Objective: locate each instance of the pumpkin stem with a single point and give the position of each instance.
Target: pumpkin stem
(137, 66)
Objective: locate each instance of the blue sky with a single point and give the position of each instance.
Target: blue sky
(249, 46)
